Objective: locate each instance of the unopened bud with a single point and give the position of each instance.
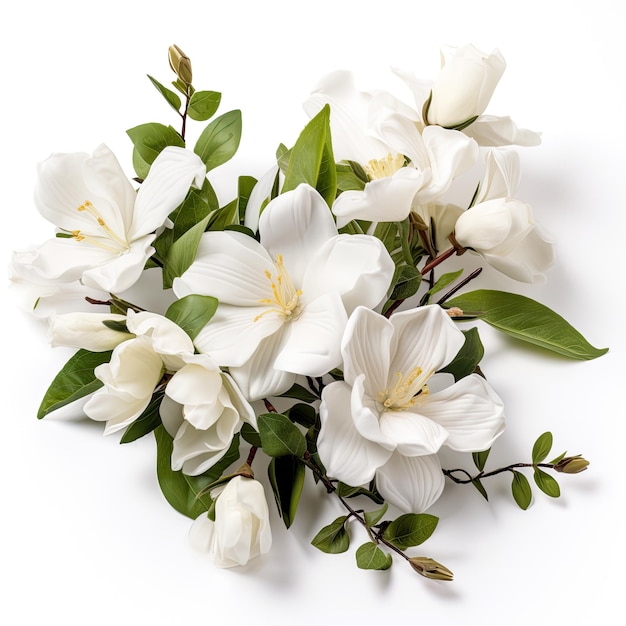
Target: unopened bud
(430, 568)
(180, 64)
(572, 465)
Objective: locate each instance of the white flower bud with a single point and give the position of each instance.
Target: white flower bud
(87, 331)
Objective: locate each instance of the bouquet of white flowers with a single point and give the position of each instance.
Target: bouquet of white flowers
(308, 325)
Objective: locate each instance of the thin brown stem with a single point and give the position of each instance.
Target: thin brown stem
(509, 468)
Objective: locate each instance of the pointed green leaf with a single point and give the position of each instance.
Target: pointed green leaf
(370, 556)
(298, 392)
(373, 517)
(522, 493)
(468, 358)
(547, 483)
(172, 98)
(480, 458)
(220, 139)
(146, 422)
(443, 281)
(303, 414)
(75, 380)
(346, 491)
(150, 139)
(527, 320)
(334, 538)
(245, 185)
(286, 476)
(542, 447)
(203, 105)
(192, 313)
(280, 436)
(250, 435)
(480, 487)
(411, 529)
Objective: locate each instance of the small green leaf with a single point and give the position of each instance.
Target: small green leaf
(192, 313)
(547, 483)
(481, 489)
(245, 185)
(172, 98)
(303, 414)
(286, 476)
(150, 139)
(146, 422)
(468, 357)
(334, 538)
(203, 105)
(346, 491)
(139, 165)
(75, 380)
(442, 283)
(480, 458)
(411, 529)
(298, 392)
(219, 140)
(373, 517)
(370, 556)
(406, 282)
(527, 320)
(520, 487)
(542, 447)
(250, 435)
(280, 436)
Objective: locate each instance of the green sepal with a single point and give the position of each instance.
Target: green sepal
(117, 325)
(410, 529)
(147, 421)
(334, 538)
(245, 185)
(527, 320)
(546, 483)
(192, 313)
(468, 357)
(542, 447)
(203, 105)
(172, 98)
(219, 141)
(280, 436)
(370, 556)
(75, 380)
(150, 139)
(186, 493)
(286, 475)
(520, 488)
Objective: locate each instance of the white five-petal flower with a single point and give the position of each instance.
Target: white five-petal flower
(109, 226)
(384, 421)
(284, 302)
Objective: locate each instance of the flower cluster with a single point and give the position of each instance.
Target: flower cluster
(318, 290)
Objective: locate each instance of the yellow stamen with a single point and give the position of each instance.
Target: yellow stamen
(382, 168)
(286, 298)
(121, 245)
(406, 391)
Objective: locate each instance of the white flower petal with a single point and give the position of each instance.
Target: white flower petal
(166, 338)
(414, 434)
(502, 175)
(412, 484)
(489, 130)
(295, 225)
(87, 331)
(261, 192)
(366, 415)
(346, 455)
(402, 135)
(356, 267)
(485, 225)
(470, 411)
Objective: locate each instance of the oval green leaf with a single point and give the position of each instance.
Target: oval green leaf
(219, 140)
(370, 556)
(547, 483)
(286, 476)
(192, 313)
(542, 447)
(522, 493)
(334, 538)
(203, 105)
(411, 529)
(280, 436)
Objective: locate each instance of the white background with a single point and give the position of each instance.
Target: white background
(86, 537)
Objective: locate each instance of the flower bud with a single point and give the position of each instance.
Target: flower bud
(572, 465)
(180, 64)
(429, 568)
(87, 331)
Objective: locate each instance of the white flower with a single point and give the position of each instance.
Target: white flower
(384, 421)
(202, 410)
(461, 93)
(109, 226)
(504, 233)
(380, 132)
(284, 302)
(241, 530)
(87, 331)
(135, 369)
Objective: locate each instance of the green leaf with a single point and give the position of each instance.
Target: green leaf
(141, 168)
(303, 414)
(527, 320)
(542, 447)
(311, 159)
(286, 476)
(347, 491)
(203, 105)
(146, 422)
(468, 357)
(280, 436)
(150, 139)
(250, 435)
(172, 98)
(407, 280)
(522, 493)
(196, 206)
(116, 325)
(225, 216)
(480, 458)
(298, 392)
(334, 538)
(481, 489)
(370, 556)
(442, 283)
(373, 517)
(192, 313)
(219, 140)
(245, 185)
(185, 493)
(410, 529)
(547, 483)
(75, 380)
